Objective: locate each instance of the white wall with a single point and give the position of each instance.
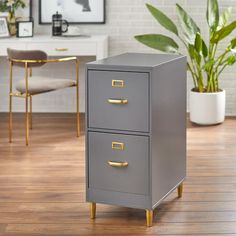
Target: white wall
(125, 18)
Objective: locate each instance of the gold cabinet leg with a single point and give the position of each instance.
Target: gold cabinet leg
(149, 217)
(31, 111)
(92, 210)
(180, 190)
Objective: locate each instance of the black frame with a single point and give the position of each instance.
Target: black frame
(17, 28)
(72, 23)
(30, 9)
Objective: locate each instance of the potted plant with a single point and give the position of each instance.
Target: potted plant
(205, 62)
(11, 6)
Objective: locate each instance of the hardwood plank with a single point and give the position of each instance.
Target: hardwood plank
(166, 206)
(206, 197)
(42, 197)
(115, 217)
(197, 206)
(228, 172)
(211, 180)
(97, 229)
(210, 188)
(3, 229)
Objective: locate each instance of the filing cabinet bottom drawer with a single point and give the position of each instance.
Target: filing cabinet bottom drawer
(118, 162)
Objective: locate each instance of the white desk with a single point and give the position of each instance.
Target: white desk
(60, 46)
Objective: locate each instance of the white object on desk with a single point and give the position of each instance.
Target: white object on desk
(73, 30)
(96, 45)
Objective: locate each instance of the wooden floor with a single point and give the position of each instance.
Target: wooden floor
(42, 186)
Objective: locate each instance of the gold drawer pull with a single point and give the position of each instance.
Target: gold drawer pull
(61, 49)
(118, 146)
(118, 164)
(118, 83)
(118, 101)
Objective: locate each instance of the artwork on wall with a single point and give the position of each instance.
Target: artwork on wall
(74, 11)
(4, 32)
(25, 12)
(22, 13)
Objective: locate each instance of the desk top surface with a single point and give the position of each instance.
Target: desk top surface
(49, 38)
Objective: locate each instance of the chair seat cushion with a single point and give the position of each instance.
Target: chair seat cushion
(37, 85)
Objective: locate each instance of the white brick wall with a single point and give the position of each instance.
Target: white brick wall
(125, 18)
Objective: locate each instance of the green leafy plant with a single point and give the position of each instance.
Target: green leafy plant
(11, 6)
(204, 63)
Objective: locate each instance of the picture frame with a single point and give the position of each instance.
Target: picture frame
(22, 13)
(25, 13)
(4, 31)
(25, 29)
(90, 11)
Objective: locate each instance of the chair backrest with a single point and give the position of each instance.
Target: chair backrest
(27, 55)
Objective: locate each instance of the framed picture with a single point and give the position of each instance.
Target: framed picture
(4, 31)
(74, 11)
(26, 12)
(22, 13)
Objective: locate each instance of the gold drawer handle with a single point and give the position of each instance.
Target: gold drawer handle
(118, 83)
(61, 49)
(118, 101)
(118, 146)
(118, 164)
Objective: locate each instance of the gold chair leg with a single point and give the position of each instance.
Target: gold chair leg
(180, 190)
(30, 72)
(10, 103)
(31, 113)
(92, 210)
(27, 122)
(26, 106)
(149, 217)
(10, 119)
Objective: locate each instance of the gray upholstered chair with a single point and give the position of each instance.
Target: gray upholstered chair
(33, 85)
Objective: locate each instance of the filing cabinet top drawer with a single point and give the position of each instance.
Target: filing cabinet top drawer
(118, 100)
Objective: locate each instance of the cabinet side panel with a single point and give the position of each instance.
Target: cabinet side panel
(168, 121)
(86, 130)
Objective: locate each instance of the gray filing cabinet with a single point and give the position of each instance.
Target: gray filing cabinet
(135, 130)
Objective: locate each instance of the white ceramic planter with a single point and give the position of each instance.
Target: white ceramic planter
(207, 108)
